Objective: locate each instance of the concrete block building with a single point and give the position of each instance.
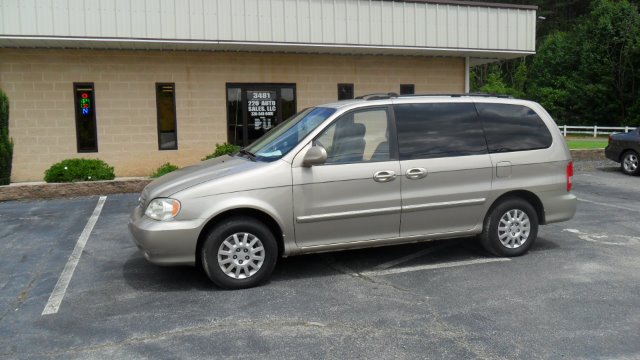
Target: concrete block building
(138, 83)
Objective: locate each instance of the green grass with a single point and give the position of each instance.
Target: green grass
(575, 144)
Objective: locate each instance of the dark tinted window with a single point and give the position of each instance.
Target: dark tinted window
(166, 108)
(513, 128)
(86, 130)
(407, 89)
(235, 118)
(345, 91)
(438, 130)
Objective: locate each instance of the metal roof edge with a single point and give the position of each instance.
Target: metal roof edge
(470, 3)
(274, 45)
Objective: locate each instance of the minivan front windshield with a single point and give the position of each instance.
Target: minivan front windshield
(284, 137)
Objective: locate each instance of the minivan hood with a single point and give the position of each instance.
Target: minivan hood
(205, 171)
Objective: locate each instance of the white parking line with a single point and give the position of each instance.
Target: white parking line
(431, 267)
(63, 282)
(410, 257)
(609, 205)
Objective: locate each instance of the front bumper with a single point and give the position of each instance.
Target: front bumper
(165, 242)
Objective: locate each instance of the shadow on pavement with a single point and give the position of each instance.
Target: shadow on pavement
(144, 276)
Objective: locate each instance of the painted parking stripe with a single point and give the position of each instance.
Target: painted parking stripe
(432, 267)
(63, 282)
(412, 256)
(609, 205)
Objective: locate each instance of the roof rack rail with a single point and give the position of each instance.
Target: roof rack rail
(480, 94)
(385, 96)
(460, 95)
(378, 96)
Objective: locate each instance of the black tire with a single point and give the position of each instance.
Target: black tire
(628, 160)
(490, 237)
(225, 231)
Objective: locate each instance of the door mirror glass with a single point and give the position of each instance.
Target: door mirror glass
(316, 155)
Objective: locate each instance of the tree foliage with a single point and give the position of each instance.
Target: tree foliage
(588, 73)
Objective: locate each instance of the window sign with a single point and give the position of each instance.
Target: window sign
(86, 129)
(262, 109)
(255, 109)
(85, 103)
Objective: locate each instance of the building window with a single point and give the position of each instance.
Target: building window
(166, 104)
(86, 129)
(255, 109)
(407, 89)
(345, 91)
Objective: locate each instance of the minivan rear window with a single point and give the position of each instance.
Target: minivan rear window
(435, 130)
(513, 128)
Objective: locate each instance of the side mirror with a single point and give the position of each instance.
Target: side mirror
(316, 155)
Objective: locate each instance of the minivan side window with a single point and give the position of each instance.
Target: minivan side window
(513, 128)
(357, 136)
(436, 130)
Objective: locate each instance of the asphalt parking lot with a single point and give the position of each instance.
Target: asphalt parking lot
(575, 295)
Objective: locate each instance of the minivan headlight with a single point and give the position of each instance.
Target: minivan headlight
(163, 209)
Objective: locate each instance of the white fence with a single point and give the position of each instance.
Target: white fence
(593, 130)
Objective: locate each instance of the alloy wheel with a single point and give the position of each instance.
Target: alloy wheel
(514, 228)
(630, 162)
(241, 255)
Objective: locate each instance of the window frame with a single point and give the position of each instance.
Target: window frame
(391, 126)
(76, 86)
(175, 114)
(353, 91)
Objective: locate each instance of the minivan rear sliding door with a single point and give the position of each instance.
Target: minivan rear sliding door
(446, 170)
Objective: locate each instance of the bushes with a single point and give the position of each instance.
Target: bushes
(6, 144)
(164, 169)
(223, 149)
(71, 170)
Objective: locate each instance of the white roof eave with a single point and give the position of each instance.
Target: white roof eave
(482, 55)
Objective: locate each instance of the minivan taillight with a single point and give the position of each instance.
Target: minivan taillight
(569, 175)
(610, 138)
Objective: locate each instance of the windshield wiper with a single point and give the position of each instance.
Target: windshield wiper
(249, 154)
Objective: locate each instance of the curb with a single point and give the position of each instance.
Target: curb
(30, 191)
(588, 155)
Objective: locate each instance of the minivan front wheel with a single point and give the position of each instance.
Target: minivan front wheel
(630, 163)
(510, 228)
(239, 253)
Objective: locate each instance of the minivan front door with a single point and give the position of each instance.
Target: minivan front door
(445, 167)
(355, 195)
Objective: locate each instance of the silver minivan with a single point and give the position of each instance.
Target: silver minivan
(378, 170)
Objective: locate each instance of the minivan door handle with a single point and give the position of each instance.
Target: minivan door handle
(384, 176)
(416, 173)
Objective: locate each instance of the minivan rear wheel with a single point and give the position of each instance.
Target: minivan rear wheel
(239, 253)
(510, 228)
(630, 163)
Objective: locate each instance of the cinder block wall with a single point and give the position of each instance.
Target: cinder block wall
(39, 83)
